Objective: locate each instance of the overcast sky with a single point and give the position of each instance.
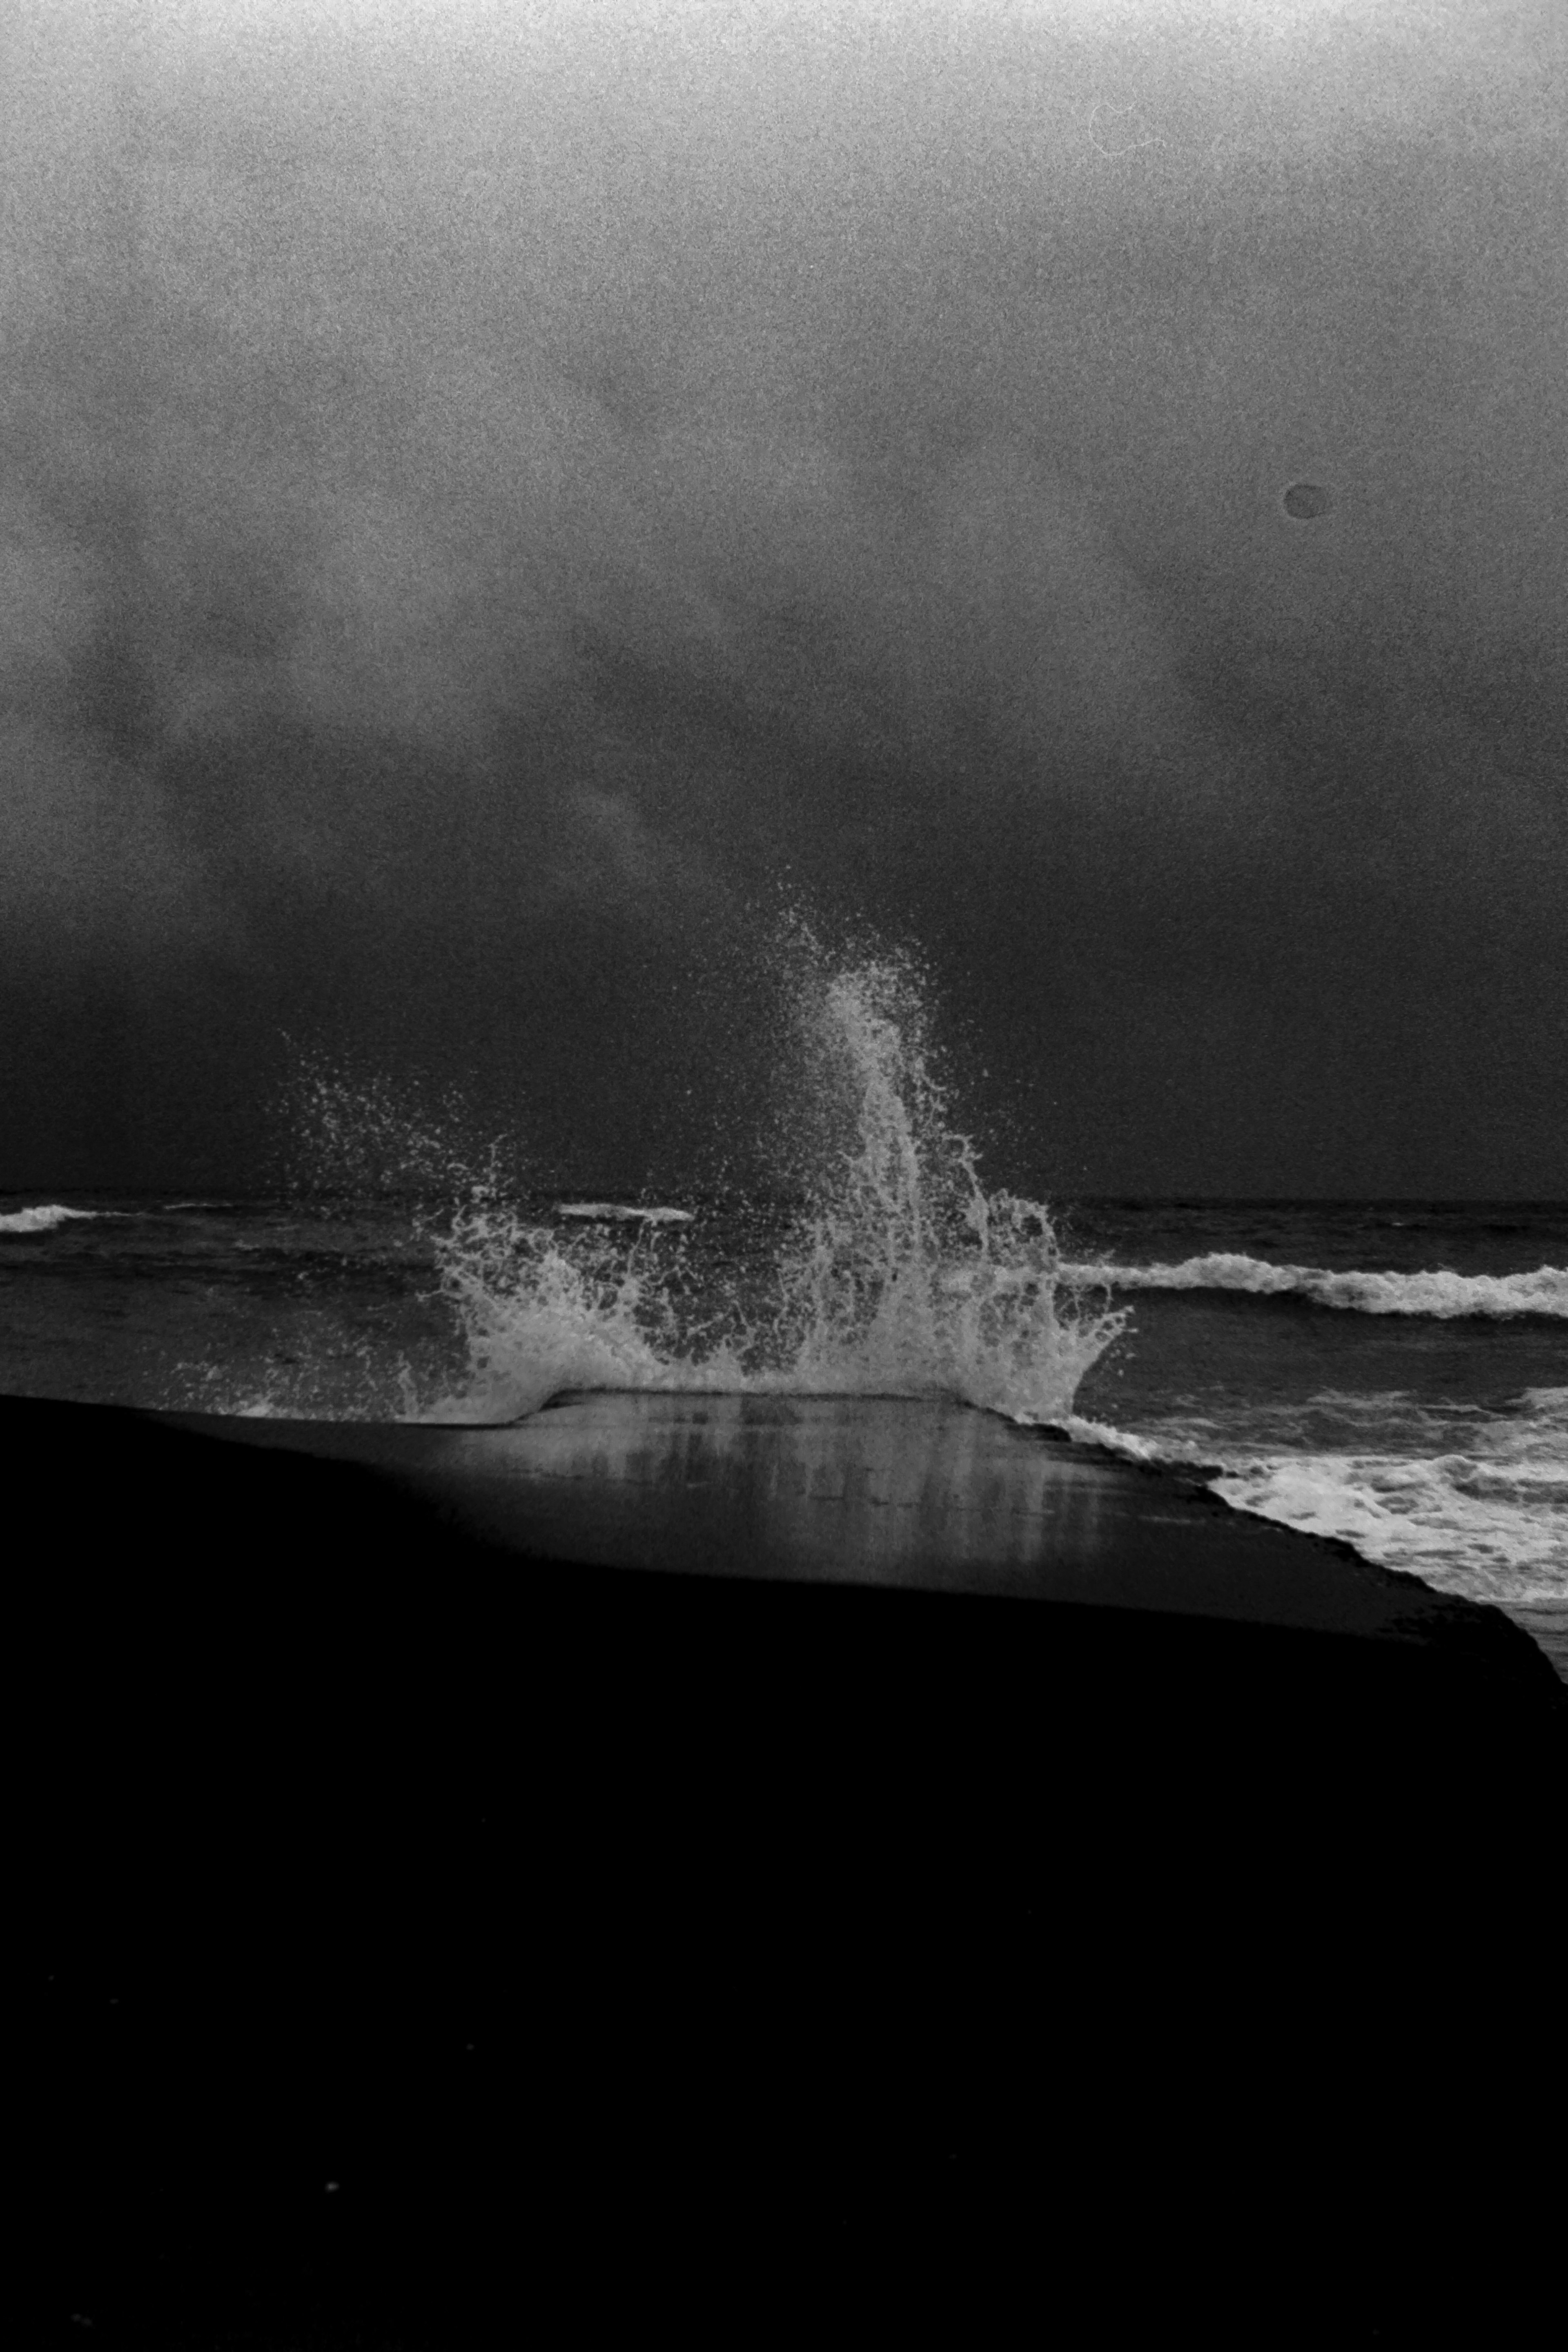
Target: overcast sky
(498, 498)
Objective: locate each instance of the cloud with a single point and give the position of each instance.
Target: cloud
(89, 850)
(614, 446)
(613, 862)
(89, 854)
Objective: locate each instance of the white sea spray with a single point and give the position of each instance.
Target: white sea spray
(901, 1275)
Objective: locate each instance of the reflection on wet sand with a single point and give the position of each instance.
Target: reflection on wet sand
(913, 1492)
(881, 1490)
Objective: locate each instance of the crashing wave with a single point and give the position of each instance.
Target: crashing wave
(1438, 1293)
(903, 1277)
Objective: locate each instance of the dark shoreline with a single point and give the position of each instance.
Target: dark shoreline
(574, 1914)
(958, 1501)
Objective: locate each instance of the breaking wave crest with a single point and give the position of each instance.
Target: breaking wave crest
(902, 1275)
(1438, 1293)
(45, 1219)
(620, 1212)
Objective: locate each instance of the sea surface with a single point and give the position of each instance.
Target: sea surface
(1394, 1373)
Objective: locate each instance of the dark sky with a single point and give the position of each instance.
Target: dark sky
(498, 500)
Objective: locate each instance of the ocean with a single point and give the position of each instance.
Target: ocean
(1392, 1373)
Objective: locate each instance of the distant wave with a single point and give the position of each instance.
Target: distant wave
(42, 1220)
(614, 1212)
(1544, 1292)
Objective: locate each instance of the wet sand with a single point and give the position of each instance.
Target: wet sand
(918, 1493)
(683, 1840)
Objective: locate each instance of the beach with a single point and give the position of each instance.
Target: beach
(784, 1265)
(399, 1802)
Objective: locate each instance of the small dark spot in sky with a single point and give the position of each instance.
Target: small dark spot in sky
(1304, 502)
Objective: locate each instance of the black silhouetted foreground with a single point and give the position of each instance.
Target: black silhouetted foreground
(431, 1942)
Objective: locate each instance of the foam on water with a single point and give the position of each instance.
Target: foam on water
(1486, 1517)
(1438, 1293)
(902, 1277)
